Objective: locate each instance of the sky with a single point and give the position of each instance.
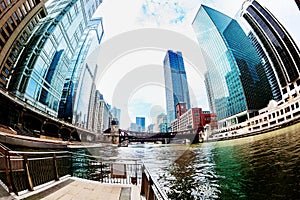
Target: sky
(137, 34)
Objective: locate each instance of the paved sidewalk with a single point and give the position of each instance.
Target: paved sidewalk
(4, 195)
(81, 189)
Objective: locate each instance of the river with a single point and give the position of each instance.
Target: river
(265, 166)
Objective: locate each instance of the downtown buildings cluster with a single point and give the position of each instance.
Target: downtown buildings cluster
(251, 71)
(44, 45)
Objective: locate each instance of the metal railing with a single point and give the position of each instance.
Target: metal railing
(118, 171)
(21, 171)
(107, 170)
(150, 188)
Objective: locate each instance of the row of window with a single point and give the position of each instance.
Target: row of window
(11, 24)
(19, 43)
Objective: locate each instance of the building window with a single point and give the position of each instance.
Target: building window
(24, 9)
(8, 28)
(16, 17)
(12, 56)
(20, 13)
(22, 40)
(25, 34)
(3, 33)
(3, 77)
(3, 6)
(12, 23)
(31, 3)
(8, 63)
(28, 5)
(6, 70)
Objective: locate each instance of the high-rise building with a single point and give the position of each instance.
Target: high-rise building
(140, 123)
(161, 123)
(194, 118)
(180, 109)
(133, 127)
(175, 82)
(282, 51)
(104, 117)
(42, 67)
(116, 112)
(237, 82)
(275, 88)
(79, 83)
(18, 20)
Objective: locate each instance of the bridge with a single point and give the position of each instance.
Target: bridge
(31, 121)
(193, 135)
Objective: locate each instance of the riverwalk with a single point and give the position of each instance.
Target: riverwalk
(73, 188)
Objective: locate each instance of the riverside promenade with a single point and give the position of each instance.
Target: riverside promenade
(72, 188)
(70, 175)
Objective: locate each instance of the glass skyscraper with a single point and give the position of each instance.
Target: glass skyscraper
(79, 83)
(175, 82)
(41, 70)
(236, 82)
(281, 49)
(275, 88)
(140, 123)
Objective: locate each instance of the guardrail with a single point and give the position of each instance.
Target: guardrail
(150, 188)
(21, 171)
(107, 170)
(118, 171)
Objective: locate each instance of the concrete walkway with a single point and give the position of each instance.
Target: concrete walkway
(4, 195)
(81, 189)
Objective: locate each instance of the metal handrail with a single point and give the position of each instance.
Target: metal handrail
(160, 192)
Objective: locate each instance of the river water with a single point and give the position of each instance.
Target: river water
(265, 166)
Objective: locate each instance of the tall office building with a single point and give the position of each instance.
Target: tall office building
(41, 69)
(18, 20)
(279, 46)
(161, 123)
(79, 86)
(116, 112)
(275, 88)
(237, 82)
(140, 123)
(175, 82)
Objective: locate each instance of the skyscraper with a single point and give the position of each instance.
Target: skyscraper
(18, 19)
(175, 82)
(140, 123)
(79, 82)
(275, 88)
(41, 69)
(279, 46)
(237, 83)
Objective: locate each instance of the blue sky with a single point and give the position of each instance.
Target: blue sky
(148, 98)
